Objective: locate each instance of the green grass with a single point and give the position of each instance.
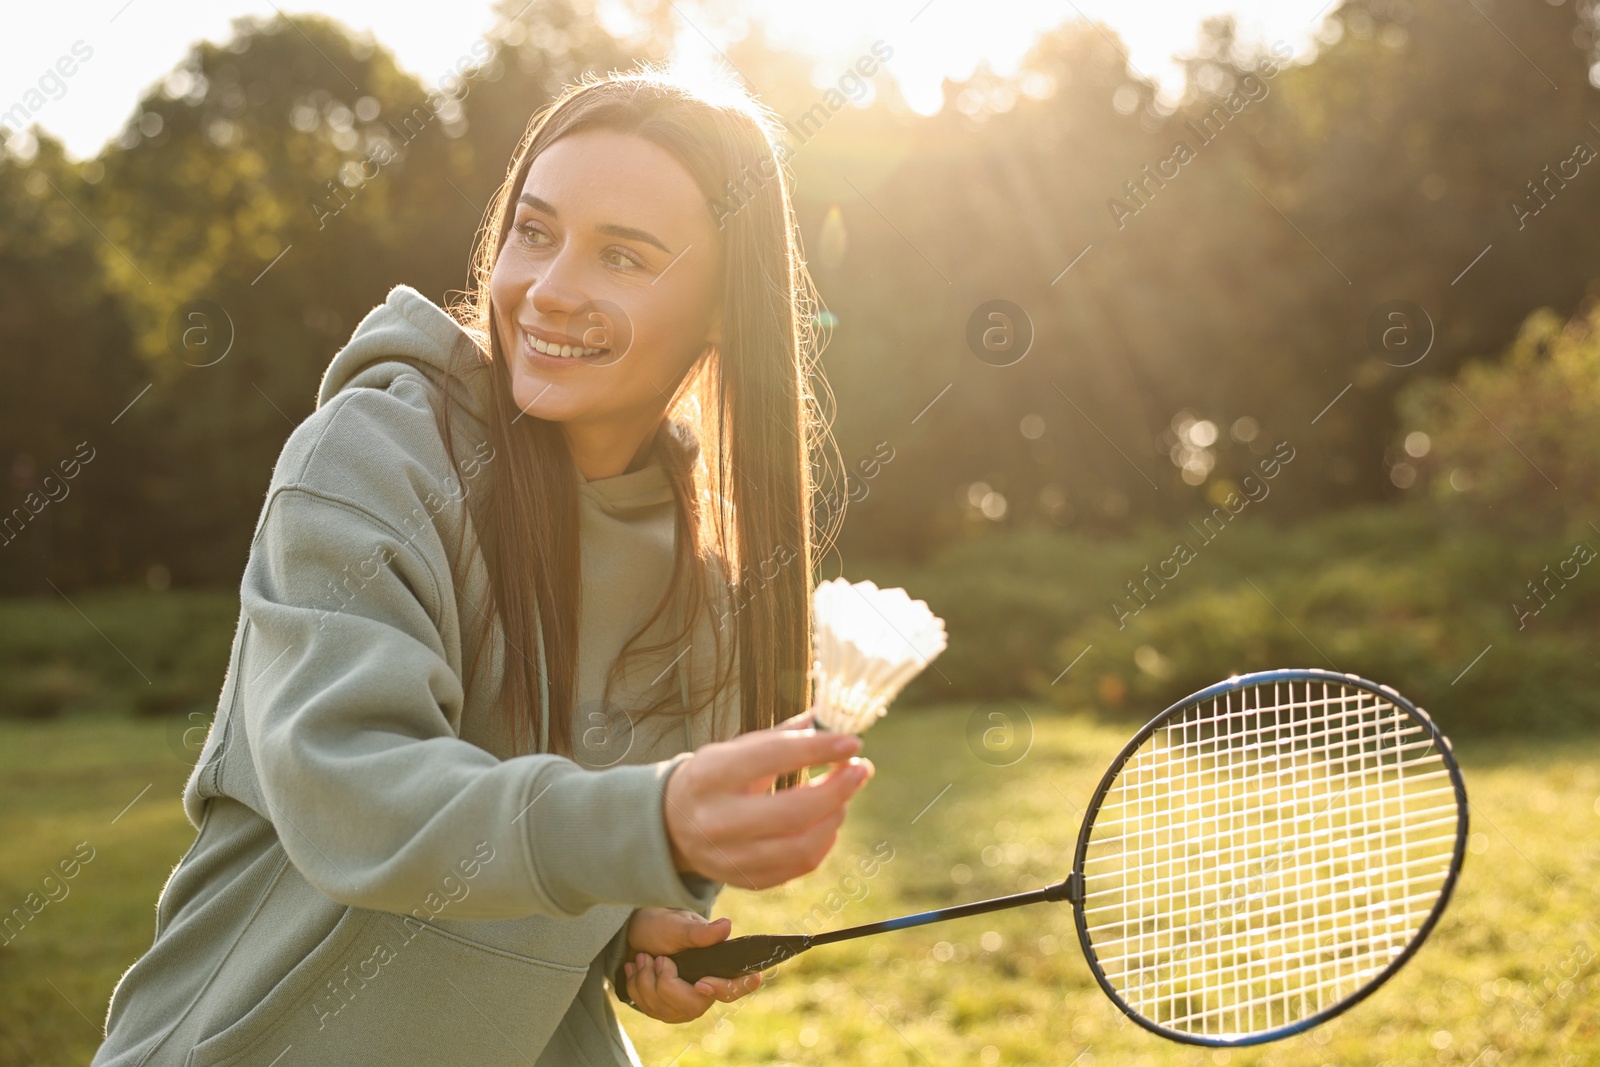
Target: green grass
(1509, 975)
(62, 783)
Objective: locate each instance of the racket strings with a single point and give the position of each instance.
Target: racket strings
(1265, 854)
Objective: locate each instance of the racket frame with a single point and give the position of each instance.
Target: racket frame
(1245, 681)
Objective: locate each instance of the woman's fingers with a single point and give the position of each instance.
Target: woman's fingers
(793, 810)
(644, 987)
(728, 990)
(780, 859)
(767, 862)
(797, 722)
(695, 931)
(641, 985)
(655, 989)
(765, 841)
(766, 754)
(666, 996)
(731, 819)
(722, 823)
(664, 931)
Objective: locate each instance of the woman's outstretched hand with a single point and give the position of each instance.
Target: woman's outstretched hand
(653, 982)
(724, 823)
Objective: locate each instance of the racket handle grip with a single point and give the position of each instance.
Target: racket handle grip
(726, 959)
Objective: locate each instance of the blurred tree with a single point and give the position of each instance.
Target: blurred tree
(537, 49)
(1402, 152)
(255, 189)
(1228, 288)
(66, 360)
(1184, 312)
(1515, 444)
(272, 190)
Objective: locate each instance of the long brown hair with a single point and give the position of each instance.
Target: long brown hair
(739, 441)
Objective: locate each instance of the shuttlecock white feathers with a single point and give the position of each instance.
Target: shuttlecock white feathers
(868, 644)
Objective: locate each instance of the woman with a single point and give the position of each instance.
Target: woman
(517, 659)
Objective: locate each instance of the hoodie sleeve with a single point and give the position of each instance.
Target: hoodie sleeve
(342, 701)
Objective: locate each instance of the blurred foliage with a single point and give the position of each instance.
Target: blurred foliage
(290, 175)
(203, 269)
(1477, 600)
(1403, 596)
(66, 360)
(1516, 443)
(169, 306)
(1244, 287)
(130, 650)
(1418, 624)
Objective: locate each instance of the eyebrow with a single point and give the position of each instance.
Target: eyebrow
(610, 228)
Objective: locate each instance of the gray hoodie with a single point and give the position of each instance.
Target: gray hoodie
(377, 877)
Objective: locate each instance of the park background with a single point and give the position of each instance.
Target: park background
(1324, 391)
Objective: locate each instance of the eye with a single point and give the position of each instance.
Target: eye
(629, 259)
(528, 230)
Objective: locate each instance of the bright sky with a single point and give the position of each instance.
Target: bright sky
(132, 44)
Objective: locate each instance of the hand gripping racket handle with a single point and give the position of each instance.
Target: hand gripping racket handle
(727, 959)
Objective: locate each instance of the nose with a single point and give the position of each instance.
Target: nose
(555, 288)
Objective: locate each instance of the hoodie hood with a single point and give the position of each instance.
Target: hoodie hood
(408, 334)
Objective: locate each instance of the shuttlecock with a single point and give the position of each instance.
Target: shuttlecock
(869, 643)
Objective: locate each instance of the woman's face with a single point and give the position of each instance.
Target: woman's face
(612, 247)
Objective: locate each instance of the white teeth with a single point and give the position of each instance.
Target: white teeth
(562, 351)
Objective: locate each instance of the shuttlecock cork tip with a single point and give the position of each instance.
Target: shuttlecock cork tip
(869, 643)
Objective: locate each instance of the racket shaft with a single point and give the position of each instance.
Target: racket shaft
(1059, 891)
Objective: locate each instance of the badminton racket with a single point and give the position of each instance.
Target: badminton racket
(1260, 857)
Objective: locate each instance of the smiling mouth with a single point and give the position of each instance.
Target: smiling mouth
(575, 353)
